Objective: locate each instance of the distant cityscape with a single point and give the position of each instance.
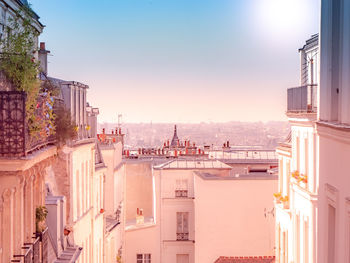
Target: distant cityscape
(265, 135)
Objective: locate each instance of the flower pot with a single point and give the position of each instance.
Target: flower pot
(66, 232)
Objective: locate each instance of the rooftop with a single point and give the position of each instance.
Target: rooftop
(244, 156)
(111, 223)
(193, 164)
(260, 259)
(231, 176)
(310, 43)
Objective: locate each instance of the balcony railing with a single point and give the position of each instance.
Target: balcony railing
(181, 236)
(181, 193)
(15, 140)
(302, 99)
(36, 252)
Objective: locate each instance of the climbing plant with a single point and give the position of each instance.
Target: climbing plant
(19, 65)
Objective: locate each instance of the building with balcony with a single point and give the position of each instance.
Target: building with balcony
(24, 163)
(296, 199)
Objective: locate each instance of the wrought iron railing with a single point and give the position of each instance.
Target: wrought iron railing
(28, 256)
(15, 140)
(181, 236)
(36, 250)
(302, 99)
(181, 193)
(44, 245)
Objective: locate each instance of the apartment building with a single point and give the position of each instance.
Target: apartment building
(314, 225)
(190, 208)
(111, 147)
(74, 172)
(296, 199)
(333, 131)
(76, 179)
(24, 161)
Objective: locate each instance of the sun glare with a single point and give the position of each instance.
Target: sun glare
(281, 16)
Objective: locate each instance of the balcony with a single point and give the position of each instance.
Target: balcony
(302, 99)
(15, 140)
(181, 236)
(35, 252)
(181, 193)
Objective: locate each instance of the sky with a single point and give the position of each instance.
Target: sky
(180, 60)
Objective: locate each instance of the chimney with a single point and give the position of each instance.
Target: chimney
(43, 57)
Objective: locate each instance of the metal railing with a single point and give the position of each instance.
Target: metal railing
(181, 236)
(15, 140)
(44, 245)
(181, 193)
(36, 250)
(302, 99)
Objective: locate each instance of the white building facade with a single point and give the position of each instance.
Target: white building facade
(296, 199)
(195, 210)
(333, 130)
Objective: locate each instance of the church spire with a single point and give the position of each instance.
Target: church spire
(175, 138)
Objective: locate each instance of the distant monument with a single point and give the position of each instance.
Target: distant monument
(175, 140)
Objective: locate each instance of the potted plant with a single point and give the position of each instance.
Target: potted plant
(277, 197)
(302, 180)
(40, 217)
(295, 175)
(66, 231)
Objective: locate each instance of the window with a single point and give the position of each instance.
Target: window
(181, 189)
(143, 258)
(182, 226)
(182, 258)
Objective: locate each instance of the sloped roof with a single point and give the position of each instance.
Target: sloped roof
(310, 43)
(259, 259)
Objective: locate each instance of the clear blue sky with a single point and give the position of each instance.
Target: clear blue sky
(180, 60)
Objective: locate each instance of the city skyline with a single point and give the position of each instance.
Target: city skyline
(180, 61)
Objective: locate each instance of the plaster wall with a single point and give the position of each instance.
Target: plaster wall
(143, 240)
(233, 218)
(139, 189)
(335, 192)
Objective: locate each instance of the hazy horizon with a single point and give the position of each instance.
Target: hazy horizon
(180, 61)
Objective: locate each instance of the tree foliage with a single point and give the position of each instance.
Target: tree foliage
(18, 62)
(64, 128)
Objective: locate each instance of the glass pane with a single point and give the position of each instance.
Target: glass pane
(185, 222)
(179, 222)
(184, 184)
